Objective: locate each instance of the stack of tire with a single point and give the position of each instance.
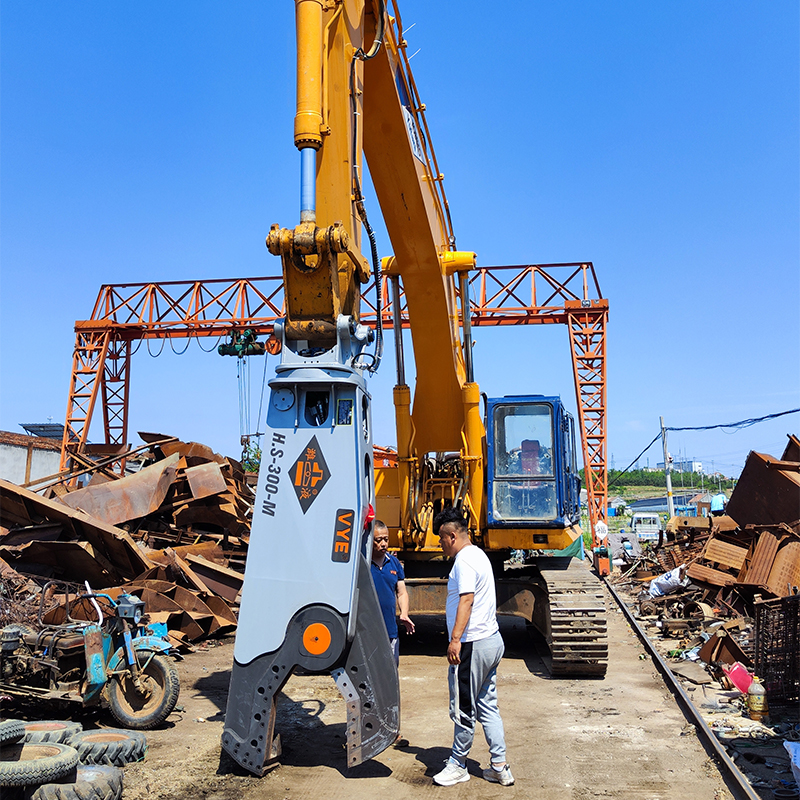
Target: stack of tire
(55, 760)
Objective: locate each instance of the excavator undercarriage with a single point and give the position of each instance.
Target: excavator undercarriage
(557, 596)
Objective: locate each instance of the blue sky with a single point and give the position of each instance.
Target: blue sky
(153, 141)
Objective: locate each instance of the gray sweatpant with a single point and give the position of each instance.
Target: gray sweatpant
(473, 697)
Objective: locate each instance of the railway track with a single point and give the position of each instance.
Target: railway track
(736, 782)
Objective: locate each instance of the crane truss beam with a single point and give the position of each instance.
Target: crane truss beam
(532, 294)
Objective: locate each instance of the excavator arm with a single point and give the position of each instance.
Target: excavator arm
(308, 601)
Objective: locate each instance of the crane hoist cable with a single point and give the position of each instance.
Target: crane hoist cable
(358, 195)
(243, 382)
(245, 393)
(258, 432)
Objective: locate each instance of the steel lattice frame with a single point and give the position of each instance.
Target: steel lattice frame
(566, 294)
(587, 334)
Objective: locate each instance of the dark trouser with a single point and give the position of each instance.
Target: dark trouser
(473, 697)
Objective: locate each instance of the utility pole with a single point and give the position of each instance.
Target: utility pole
(670, 501)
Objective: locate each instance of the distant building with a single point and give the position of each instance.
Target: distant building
(614, 505)
(658, 504)
(26, 458)
(683, 466)
(702, 502)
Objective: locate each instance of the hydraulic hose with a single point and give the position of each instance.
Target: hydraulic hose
(357, 193)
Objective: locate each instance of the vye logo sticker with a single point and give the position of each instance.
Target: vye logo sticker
(343, 535)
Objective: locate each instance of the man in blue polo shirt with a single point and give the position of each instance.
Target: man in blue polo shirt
(390, 584)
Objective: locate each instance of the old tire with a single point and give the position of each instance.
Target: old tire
(31, 764)
(11, 730)
(137, 712)
(92, 782)
(53, 730)
(109, 746)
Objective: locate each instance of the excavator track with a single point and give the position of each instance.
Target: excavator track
(575, 631)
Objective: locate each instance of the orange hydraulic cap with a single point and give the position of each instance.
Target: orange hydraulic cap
(316, 638)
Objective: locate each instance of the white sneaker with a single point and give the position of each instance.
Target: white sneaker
(504, 777)
(451, 775)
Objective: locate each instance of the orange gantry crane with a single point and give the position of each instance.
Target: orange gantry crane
(126, 314)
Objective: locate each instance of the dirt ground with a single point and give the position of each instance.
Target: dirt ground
(619, 737)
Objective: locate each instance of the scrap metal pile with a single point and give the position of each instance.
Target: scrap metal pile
(175, 532)
(725, 590)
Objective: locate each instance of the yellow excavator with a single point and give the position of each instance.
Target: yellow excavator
(510, 466)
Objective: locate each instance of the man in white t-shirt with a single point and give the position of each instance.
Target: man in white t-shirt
(474, 653)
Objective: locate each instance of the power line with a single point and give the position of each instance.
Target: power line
(745, 423)
(658, 436)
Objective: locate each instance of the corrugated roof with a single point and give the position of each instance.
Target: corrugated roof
(23, 440)
(51, 430)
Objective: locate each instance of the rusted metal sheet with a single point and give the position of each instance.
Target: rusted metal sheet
(761, 562)
(193, 452)
(179, 618)
(192, 616)
(72, 561)
(46, 532)
(211, 613)
(785, 572)
(765, 495)
(183, 623)
(227, 583)
(722, 524)
(724, 554)
(792, 451)
(708, 575)
(205, 480)
(693, 524)
(182, 566)
(131, 497)
(225, 619)
(20, 506)
(224, 516)
(195, 607)
(211, 551)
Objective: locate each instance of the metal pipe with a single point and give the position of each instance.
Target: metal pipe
(397, 327)
(466, 324)
(736, 782)
(308, 185)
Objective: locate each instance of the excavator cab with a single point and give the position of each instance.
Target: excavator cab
(532, 469)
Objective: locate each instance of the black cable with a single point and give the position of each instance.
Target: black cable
(658, 436)
(745, 423)
(213, 347)
(376, 45)
(150, 352)
(358, 196)
(172, 346)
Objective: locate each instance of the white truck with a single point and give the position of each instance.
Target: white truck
(647, 526)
